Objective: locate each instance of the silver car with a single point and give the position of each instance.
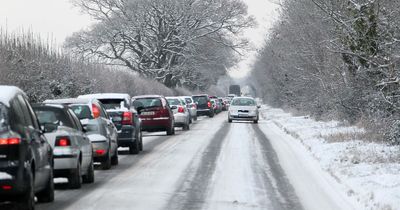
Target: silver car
(243, 108)
(181, 112)
(71, 147)
(191, 105)
(101, 131)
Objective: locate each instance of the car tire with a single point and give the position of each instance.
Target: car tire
(195, 118)
(47, 195)
(170, 131)
(75, 178)
(141, 141)
(229, 120)
(255, 121)
(89, 177)
(134, 147)
(106, 164)
(27, 200)
(186, 127)
(114, 159)
(211, 115)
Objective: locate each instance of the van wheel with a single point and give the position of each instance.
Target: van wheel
(75, 178)
(47, 195)
(106, 164)
(27, 200)
(89, 177)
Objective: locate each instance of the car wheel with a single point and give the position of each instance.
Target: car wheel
(186, 127)
(106, 164)
(47, 195)
(114, 159)
(141, 141)
(211, 115)
(134, 147)
(255, 121)
(27, 200)
(171, 131)
(89, 177)
(195, 118)
(75, 178)
(229, 120)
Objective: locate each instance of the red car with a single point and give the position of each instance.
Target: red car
(155, 113)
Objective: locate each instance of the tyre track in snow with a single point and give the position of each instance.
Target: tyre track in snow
(192, 191)
(271, 176)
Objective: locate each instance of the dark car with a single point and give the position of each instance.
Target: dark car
(26, 158)
(155, 113)
(204, 105)
(125, 118)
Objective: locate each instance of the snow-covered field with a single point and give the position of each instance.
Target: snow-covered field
(367, 174)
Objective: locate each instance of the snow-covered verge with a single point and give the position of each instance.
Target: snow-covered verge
(367, 172)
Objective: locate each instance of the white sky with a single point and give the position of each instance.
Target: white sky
(57, 19)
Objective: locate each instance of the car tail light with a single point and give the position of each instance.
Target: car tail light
(209, 104)
(63, 142)
(10, 141)
(6, 187)
(100, 152)
(127, 118)
(181, 110)
(96, 111)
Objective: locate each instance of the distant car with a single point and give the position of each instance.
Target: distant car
(100, 129)
(204, 106)
(216, 105)
(71, 147)
(155, 113)
(223, 104)
(181, 112)
(125, 118)
(191, 105)
(26, 158)
(243, 108)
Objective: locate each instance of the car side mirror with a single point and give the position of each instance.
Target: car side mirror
(174, 107)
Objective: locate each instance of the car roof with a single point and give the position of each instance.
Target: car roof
(106, 96)
(59, 106)
(200, 95)
(147, 96)
(70, 101)
(8, 93)
(246, 97)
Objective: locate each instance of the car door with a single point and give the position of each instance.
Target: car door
(86, 146)
(111, 129)
(38, 141)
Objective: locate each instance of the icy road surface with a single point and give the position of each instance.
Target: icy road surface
(215, 165)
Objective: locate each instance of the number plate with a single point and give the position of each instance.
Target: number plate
(243, 115)
(147, 113)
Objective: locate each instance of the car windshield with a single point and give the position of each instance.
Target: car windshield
(52, 116)
(173, 102)
(200, 99)
(3, 117)
(82, 111)
(114, 103)
(243, 102)
(147, 103)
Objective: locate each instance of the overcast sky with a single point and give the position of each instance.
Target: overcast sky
(58, 19)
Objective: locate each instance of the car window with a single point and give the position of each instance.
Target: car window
(147, 102)
(75, 120)
(50, 115)
(81, 111)
(18, 122)
(188, 100)
(3, 118)
(200, 99)
(33, 115)
(173, 101)
(114, 103)
(24, 107)
(243, 102)
(103, 113)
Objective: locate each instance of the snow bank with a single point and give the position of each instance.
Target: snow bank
(370, 172)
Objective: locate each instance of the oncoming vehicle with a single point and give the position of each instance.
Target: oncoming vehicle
(204, 105)
(243, 108)
(71, 147)
(181, 113)
(124, 117)
(26, 158)
(99, 128)
(155, 113)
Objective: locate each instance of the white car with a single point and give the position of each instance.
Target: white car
(191, 105)
(72, 149)
(181, 112)
(243, 108)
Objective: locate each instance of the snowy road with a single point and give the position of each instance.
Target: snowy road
(215, 165)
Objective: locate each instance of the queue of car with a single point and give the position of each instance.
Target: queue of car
(66, 137)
